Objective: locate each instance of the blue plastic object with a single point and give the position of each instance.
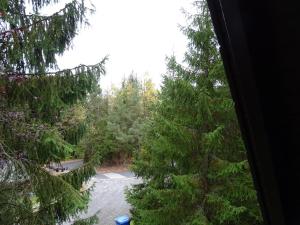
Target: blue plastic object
(122, 220)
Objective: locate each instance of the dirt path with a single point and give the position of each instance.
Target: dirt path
(112, 169)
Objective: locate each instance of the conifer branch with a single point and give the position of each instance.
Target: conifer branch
(41, 19)
(33, 98)
(19, 75)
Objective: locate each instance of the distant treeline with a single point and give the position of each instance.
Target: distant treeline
(116, 120)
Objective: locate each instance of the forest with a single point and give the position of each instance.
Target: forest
(182, 140)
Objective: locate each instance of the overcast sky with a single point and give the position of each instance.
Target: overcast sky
(136, 34)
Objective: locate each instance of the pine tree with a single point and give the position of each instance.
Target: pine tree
(125, 118)
(98, 139)
(193, 161)
(35, 114)
(117, 120)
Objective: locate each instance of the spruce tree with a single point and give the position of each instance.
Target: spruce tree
(193, 161)
(35, 114)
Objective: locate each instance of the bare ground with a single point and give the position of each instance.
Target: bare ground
(112, 168)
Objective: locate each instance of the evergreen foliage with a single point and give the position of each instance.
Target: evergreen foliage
(193, 161)
(88, 221)
(117, 120)
(38, 124)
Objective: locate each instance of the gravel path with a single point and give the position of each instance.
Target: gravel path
(108, 198)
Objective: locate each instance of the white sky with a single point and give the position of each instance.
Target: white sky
(136, 34)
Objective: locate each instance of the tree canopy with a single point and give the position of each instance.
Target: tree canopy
(184, 139)
(193, 161)
(117, 120)
(37, 123)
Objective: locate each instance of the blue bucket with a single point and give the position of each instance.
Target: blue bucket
(122, 220)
